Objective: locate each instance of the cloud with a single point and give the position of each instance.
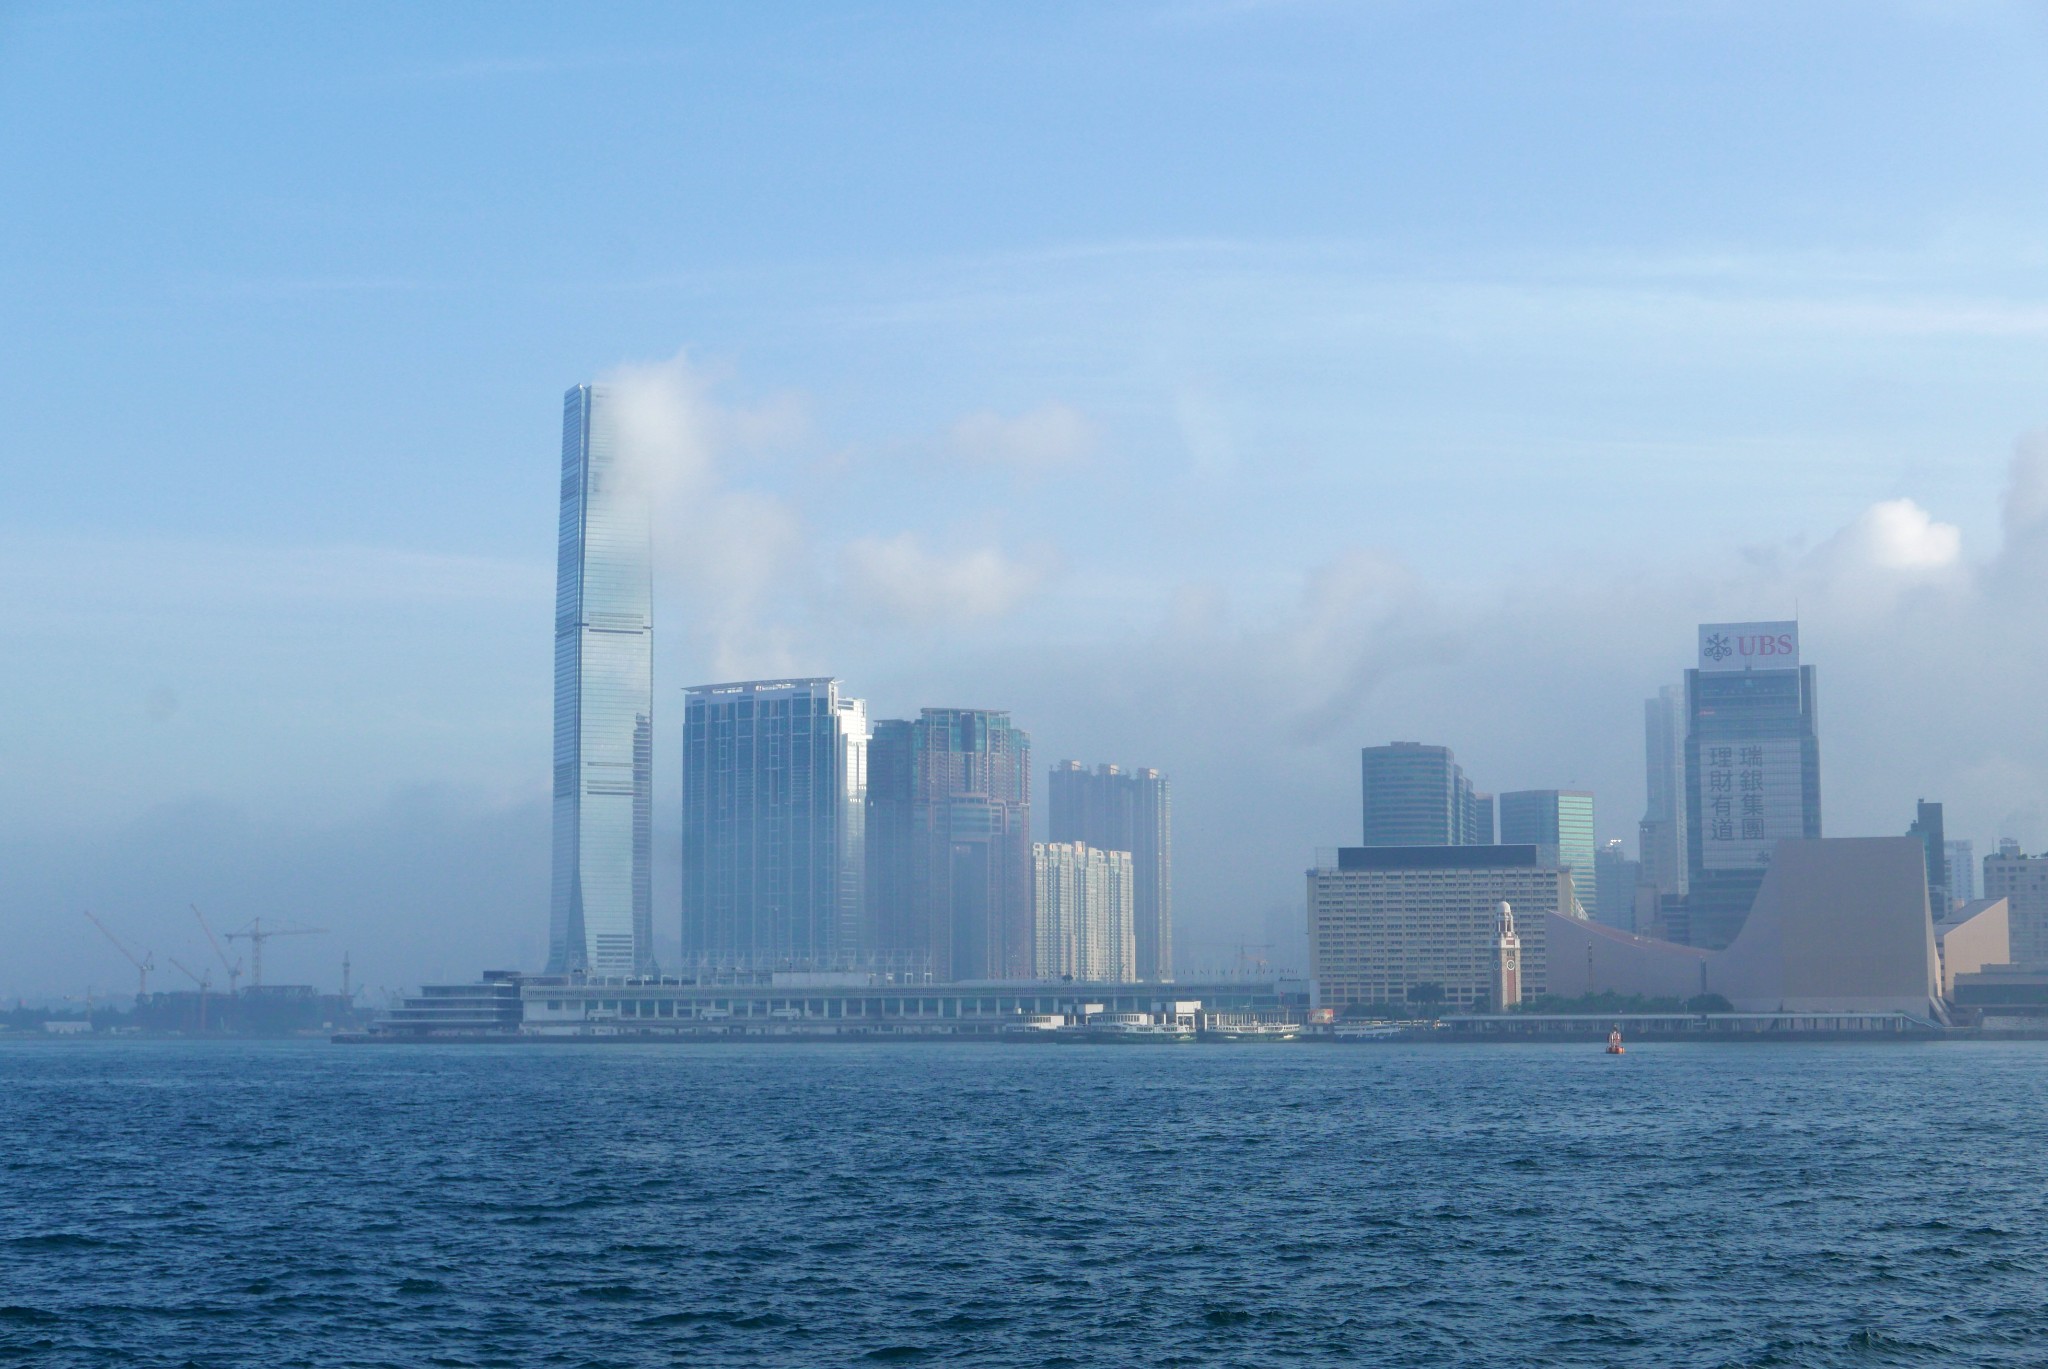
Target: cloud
(1044, 439)
(1894, 540)
(730, 559)
(896, 578)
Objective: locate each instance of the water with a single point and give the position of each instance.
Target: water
(215, 1205)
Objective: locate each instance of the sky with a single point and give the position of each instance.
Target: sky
(1219, 386)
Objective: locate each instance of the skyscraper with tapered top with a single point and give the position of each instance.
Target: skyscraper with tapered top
(601, 905)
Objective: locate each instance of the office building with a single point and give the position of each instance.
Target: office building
(1927, 828)
(891, 787)
(1117, 810)
(774, 822)
(1083, 901)
(950, 845)
(1752, 768)
(601, 908)
(2022, 881)
(1661, 834)
(1479, 822)
(1617, 879)
(1392, 927)
(1962, 872)
(1417, 795)
(1561, 822)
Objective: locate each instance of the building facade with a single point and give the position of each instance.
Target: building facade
(1416, 795)
(950, 835)
(774, 825)
(1561, 821)
(1617, 880)
(1927, 827)
(1962, 872)
(1839, 926)
(1083, 899)
(1752, 768)
(1124, 810)
(601, 907)
(892, 788)
(1395, 926)
(1661, 835)
(2022, 881)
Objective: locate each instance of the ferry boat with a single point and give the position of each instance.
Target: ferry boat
(1367, 1031)
(1038, 1026)
(1137, 1029)
(1246, 1027)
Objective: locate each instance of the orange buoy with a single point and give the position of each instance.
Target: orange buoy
(1614, 1042)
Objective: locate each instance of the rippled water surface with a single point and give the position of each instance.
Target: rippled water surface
(1008, 1205)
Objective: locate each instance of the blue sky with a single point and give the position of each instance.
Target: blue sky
(1219, 386)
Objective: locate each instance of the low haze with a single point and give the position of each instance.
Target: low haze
(1217, 387)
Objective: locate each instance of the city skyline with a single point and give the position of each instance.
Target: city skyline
(1212, 459)
(1180, 716)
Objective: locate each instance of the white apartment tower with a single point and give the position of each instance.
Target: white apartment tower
(1083, 901)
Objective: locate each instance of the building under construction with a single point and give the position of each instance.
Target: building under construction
(258, 1010)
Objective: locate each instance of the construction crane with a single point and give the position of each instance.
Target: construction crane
(256, 934)
(142, 966)
(204, 981)
(233, 967)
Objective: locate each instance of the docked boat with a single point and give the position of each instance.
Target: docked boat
(1245, 1027)
(1037, 1027)
(1136, 1029)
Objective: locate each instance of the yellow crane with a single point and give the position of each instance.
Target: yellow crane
(256, 934)
(142, 966)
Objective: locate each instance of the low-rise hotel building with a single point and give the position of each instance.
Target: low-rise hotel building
(1395, 925)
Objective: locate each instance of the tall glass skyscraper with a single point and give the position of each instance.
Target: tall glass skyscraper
(891, 928)
(1662, 831)
(949, 846)
(1418, 795)
(774, 821)
(1561, 822)
(601, 915)
(1752, 768)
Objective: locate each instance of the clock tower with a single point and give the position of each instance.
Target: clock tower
(1507, 959)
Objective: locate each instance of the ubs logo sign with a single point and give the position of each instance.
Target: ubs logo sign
(1749, 646)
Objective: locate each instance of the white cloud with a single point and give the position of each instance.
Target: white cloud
(896, 578)
(728, 559)
(1043, 439)
(1896, 535)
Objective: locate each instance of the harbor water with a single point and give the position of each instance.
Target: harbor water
(218, 1204)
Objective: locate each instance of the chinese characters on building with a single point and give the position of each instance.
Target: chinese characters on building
(1749, 800)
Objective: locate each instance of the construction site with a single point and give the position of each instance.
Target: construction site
(207, 999)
